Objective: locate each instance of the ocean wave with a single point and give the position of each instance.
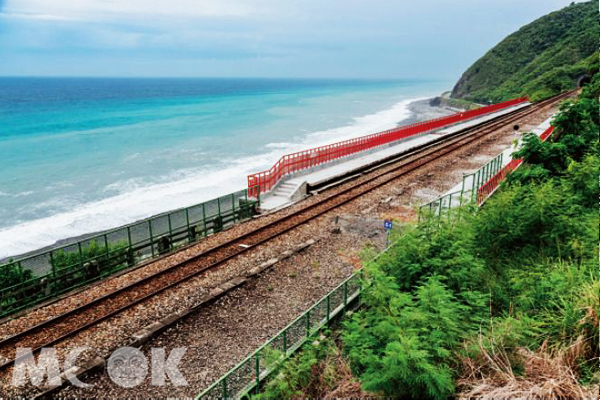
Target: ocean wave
(282, 145)
(24, 194)
(361, 126)
(133, 199)
(129, 206)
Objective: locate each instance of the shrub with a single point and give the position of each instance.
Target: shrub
(108, 260)
(312, 373)
(536, 220)
(446, 250)
(402, 345)
(12, 274)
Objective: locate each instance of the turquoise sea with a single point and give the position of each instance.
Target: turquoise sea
(84, 155)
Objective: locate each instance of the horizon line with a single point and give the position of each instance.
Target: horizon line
(220, 77)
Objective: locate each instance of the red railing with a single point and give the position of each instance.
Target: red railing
(490, 186)
(264, 181)
(546, 134)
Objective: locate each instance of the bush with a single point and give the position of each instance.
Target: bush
(402, 344)
(12, 274)
(447, 251)
(577, 132)
(105, 260)
(537, 221)
(314, 372)
(507, 293)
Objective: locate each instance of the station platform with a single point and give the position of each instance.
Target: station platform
(295, 187)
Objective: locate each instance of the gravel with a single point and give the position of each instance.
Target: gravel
(270, 309)
(223, 333)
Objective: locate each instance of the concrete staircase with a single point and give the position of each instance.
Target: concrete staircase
(284, 193)
(285, 189)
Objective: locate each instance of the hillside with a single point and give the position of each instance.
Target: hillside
(541, 59)
(497, 302)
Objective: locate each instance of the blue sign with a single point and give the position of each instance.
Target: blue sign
(388, 224)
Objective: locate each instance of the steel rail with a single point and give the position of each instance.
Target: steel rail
(233, 249)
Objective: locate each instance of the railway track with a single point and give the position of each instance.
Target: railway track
(54, 330)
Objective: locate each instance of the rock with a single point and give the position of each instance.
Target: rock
(435, 102)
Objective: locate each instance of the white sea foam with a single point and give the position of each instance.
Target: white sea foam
(131, 200)
(282, 145)
(381, 121)
(361, 126)
(23, 194)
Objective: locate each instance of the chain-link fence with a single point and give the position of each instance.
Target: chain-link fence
(35, 278)
(247, 375)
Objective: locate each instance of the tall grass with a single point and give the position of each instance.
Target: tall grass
(501, 303)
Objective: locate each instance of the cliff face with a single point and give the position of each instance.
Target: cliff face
(545, 57)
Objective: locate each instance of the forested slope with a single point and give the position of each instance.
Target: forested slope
(541, 59)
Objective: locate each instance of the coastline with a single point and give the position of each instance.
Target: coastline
(422, 110)
(406, 112)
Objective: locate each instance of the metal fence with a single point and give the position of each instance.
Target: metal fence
(484, 174)
(290, 163)
(476, 187)
(468, 194)
(64, 268)
(247, 375)
(489, 187)
(444, 205)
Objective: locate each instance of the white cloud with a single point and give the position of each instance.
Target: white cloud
(39, 17)
(102, 10)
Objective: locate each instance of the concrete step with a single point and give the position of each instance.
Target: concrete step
(285, 193)
(285, 189)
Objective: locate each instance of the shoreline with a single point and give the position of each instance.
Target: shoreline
(422, 110)
(418, 110)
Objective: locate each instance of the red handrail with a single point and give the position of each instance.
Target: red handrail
(264, 181)
(488, 188)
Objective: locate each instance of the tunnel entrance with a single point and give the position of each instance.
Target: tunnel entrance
(584, 80)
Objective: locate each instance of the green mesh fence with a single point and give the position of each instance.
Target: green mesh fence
(56, 271)
(443, 206)
(247, 375)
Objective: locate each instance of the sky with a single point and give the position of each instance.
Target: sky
(372, 39)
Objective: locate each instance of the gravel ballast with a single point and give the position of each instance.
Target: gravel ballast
(221, 334)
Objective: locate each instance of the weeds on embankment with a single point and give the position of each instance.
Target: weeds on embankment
(500, 303)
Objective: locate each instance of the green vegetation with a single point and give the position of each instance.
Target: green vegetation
(94, 260)
(447, 101)
(12, 274)
(62, 260)
(501, 302)
(460, 104)
(299, 376)
(543, 58)
(19, 287)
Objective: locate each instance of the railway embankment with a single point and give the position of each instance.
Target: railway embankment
(405, 191)
(496, 302)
